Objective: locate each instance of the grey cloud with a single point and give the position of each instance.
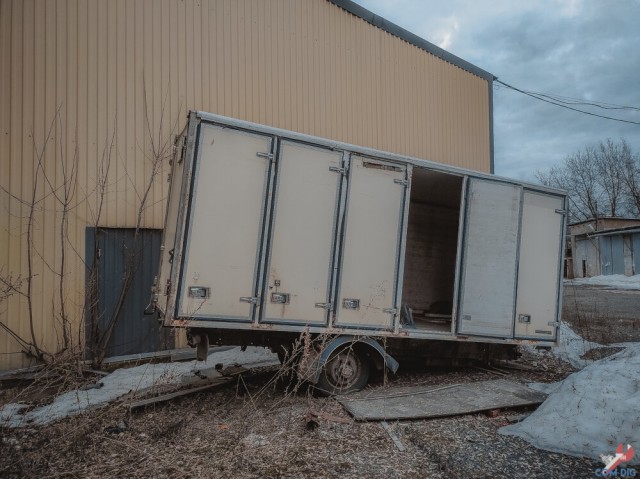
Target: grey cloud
(592, 54)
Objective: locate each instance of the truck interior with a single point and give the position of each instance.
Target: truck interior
(431, 249)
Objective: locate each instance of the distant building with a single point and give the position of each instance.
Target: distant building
(603, 246)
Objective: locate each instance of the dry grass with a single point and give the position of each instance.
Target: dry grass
(258, 427)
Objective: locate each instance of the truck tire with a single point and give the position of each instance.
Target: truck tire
(346, 370)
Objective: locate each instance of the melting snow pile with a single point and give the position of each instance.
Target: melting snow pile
(572, 346)
(134, 380)
(614, 281)
(590, 412)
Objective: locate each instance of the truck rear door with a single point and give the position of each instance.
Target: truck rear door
(540, 268)
(375, 225)
(487, 287)
(305, 216)
(224, 239)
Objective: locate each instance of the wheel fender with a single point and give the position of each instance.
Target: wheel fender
(390, 363)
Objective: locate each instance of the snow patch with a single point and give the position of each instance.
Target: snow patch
(570, 347)
(546, 388)
(591, 411)
(613, 281)
(134, 380)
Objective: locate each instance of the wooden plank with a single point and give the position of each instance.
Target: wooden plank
(169, 396)
(417, 402)
(392, 435)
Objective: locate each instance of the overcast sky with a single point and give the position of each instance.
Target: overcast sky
(585, 49)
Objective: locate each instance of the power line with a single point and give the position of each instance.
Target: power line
(566, 104)
(577, 101)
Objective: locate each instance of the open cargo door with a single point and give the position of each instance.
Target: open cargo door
(487, 288)
(163, 287)
(540, 272)
(375, 226)
(223, 245)
(305, 215)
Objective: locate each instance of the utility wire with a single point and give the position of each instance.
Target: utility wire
(565, 104)
(577, 101)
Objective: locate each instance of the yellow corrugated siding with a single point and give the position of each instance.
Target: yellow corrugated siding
(307, 66)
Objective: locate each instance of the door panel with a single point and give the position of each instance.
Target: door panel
(373, 230)
(124, 254)
(606, 259)
(539, 270)
(223, 245)
(617, 254)
(299, 270)
(490, 248)
(636, 253)
(164, 288)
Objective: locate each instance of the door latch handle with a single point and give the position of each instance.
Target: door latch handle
(351, 303)
(249, 299)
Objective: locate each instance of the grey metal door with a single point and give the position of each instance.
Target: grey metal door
(606, 257)
(224, 243)
(636, 253)
(126, 265)
(489, 259)
(617, 254)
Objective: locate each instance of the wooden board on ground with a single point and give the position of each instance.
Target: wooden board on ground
(422, 402)
(168, 397)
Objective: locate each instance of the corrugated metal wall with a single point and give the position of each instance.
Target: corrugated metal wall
(74, 75)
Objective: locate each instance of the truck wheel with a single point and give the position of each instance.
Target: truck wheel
(345, 371)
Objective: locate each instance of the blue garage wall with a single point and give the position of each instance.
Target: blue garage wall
(636, 253)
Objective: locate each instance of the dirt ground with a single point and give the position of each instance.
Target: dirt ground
(602, 315)
(256, 427)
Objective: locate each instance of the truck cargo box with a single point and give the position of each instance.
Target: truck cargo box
(270, 233)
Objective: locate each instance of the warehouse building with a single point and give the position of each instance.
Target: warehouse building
(93, 92)
(603, 246)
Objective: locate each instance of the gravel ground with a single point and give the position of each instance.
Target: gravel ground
(602, 315)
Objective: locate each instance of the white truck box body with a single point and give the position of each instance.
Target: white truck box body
(271, 230)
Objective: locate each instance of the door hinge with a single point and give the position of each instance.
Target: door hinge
(401, 182)
(561, 212)
(554, 323)
(249, 299)
(266, 156)
(337, 169)
(390, 311)
(326, 306)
